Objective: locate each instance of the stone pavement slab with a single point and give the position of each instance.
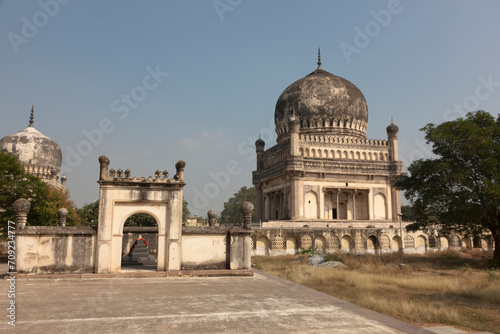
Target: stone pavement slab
(259, 304)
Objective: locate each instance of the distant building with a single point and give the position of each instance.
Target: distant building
(39, 155)
(323, 168)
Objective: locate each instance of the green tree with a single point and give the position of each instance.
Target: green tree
(185, 211)
(232, 211)
(459, 189)
(45, 201)
(141, 219)
(407, 211)
(89, 213)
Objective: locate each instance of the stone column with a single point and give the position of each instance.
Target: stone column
(395, 204)
(354, 205)
(286, 208)
(322, 203)
(338, 204)
(296, 197)
(211, 217)
(370, 204)
(246, 210)
(260, 203)
(62, 214)
(21, 208)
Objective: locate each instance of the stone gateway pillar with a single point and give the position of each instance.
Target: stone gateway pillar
(121, 196)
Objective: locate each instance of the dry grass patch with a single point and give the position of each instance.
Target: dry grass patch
(449, 288)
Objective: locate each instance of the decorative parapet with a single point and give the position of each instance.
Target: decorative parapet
(125, 176)
(276, 154)
(342, 140)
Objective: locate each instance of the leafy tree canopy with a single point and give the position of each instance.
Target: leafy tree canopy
(89, 213)
(407, 211)
(45, 201)
(232, 208)
(459, 189)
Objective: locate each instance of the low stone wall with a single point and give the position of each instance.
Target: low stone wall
(55, 249)
(215, 248)
(290, 240)
(202, 247)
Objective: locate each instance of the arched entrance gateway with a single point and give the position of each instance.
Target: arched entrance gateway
(121, 196)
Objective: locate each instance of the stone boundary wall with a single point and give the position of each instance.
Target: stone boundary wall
(55, 249)
(202, 247)
(215, 248)
(69, 249)
(281, 241)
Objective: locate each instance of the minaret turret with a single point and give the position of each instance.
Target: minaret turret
(392, 136)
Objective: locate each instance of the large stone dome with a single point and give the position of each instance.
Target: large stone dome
(324, 103)
(40, 155)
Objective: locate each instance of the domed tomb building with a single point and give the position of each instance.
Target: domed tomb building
(323, 168)
(39, 155)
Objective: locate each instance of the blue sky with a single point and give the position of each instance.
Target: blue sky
(220, 67)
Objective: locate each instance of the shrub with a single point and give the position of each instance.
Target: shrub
(334, 257)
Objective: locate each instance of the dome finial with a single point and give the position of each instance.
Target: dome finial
(32, 116)
(319, 57)
(392, 120)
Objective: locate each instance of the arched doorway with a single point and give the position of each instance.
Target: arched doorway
(121, 195)
(262, 246)
(140, 243)
(311, 205)
(380, 206)
(320, 243)
(291, 244)
(346, 243)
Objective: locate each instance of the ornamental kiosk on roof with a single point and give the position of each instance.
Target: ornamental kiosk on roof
(323, 167)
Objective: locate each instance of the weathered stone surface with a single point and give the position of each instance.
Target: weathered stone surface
(319, 96)
(332, 264)
(315, 260)
(33, 148)
(187, 305)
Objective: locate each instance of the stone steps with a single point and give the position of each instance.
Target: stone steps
(139, 255)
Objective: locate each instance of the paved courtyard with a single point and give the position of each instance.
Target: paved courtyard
(256, 304)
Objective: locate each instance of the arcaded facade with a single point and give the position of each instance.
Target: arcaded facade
(323, 168)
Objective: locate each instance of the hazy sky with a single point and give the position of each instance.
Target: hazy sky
(148, 83)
